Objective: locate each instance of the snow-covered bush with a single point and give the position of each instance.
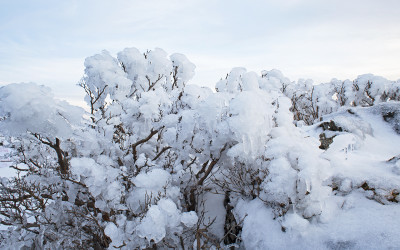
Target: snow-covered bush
(160, 163)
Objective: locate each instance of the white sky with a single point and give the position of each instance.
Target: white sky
(47, 41)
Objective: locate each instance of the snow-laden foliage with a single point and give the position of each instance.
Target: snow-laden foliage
(261, 162)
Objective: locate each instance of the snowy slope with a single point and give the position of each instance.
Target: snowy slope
(362, 210)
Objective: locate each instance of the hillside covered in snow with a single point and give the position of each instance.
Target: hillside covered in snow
(260, 162)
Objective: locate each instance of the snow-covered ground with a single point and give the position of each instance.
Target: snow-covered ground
(5, 170)
(358, 213)
(5, 162)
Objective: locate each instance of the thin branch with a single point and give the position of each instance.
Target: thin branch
(62, 161)
(151, 85)
(134, 146)
(161, 152)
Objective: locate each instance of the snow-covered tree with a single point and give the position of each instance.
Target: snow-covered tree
(158, 163)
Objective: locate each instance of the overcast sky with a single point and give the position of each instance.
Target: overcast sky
(47, 41)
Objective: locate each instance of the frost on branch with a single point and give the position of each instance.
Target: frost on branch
(262, 162)
(27, 107)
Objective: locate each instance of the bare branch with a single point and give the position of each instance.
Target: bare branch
(134, 146)
(161, 152)
(151, 85)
